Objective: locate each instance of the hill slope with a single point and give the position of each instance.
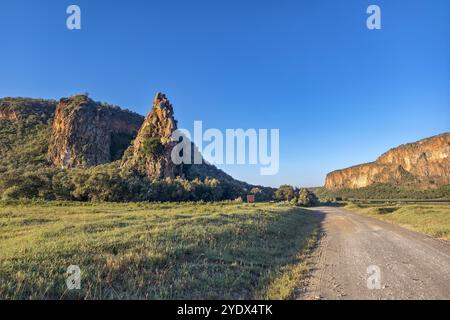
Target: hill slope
(73, 150)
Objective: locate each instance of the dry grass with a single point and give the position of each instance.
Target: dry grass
(153, 251)
(431, 219)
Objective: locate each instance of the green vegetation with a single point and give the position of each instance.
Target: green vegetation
(26, 174)
(301, 197)
(153, 251)
(109, 183)
(306, 198)
(285, 193)
(384, 191)
(152, 146)
(433, 220)
(29, 110)
(119, 143)
(23, 145)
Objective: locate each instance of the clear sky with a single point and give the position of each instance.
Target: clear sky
(339, 93)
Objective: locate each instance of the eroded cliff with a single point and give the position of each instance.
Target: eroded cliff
(150, 153)
(424, 164)
(87, 133)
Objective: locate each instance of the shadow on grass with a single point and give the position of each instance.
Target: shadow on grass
(243, 255)
(251, 258)
(331, 204)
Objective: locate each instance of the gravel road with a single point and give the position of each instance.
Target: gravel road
(411, 265)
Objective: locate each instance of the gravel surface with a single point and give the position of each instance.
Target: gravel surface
(411, 265)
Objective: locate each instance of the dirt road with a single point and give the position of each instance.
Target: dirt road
(411, 265)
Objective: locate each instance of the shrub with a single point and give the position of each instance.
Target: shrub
(12, 193)
(385, 191)
(152, 146)
(307, 198)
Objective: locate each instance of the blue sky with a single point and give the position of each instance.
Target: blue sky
(339, 93)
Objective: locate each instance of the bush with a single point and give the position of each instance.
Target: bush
(306, 198)
(108, 183)
(285, 193)
(152, 146)
(12, 193)
(385, 192)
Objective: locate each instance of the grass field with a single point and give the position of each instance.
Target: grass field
(153, 251)
(431, 219)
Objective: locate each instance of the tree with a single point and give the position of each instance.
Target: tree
(306, 198)
(285, 193)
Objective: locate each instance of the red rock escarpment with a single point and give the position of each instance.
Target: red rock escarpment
(150, 154)
(9, 115)
(83, 132)
(424, 164)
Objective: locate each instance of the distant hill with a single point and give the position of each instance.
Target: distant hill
(26, 109)
(424, 164)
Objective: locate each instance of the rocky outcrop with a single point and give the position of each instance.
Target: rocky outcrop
(78, 132)
(9, 115)
(86, 133)
(150, 153)
(424, 164)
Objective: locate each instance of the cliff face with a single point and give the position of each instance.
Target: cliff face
(424, 164)
(86, 133)
(150, 154)
(78, 132)
(9, 115)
